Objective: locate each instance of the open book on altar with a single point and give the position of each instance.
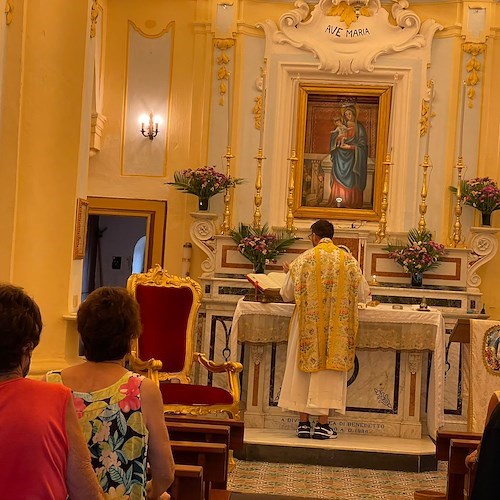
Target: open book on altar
(268, 283)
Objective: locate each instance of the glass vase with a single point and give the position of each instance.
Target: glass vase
(203, 204)
(485, 219)
(416, 279)
(259, 268)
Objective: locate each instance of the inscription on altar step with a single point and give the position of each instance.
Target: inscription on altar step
(343, 426)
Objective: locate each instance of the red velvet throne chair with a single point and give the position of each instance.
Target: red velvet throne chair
(169, 308)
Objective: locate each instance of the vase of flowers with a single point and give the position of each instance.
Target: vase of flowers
(420, 254)
(483, 194)
(261, 246)
(203, 182)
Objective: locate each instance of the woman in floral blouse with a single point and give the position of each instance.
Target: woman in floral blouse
(120, 412)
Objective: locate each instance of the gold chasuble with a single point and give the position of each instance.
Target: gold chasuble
(326, 281)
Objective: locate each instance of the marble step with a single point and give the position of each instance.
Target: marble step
(355, 451)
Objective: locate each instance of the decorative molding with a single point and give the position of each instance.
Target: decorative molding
(223, 44)
(473, 68)
(257, 351)
(94, 14)
(97, 122)
(483, 247)
(202, 232)
(347, 13)
(257, 109)
(424, 112)
(331, 39)
(414, 362)
(9, 12)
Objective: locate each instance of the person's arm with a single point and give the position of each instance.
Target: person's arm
(160, 457)
(472, 458)
(364, 292)
(287, 290)
(81, 480)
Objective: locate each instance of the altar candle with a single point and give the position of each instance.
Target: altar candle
(391, 125)
(429, 117)
(461, 122)
(262, 111)
(228, 111)
(294, 112)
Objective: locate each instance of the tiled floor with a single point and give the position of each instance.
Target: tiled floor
(339, 483)
(315, 481)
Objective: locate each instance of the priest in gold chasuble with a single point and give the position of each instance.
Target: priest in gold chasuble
(326, 283)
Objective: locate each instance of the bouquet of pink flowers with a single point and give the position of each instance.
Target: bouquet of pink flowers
(481, 193)
(204, 182)
(420, 254)
(260, 246)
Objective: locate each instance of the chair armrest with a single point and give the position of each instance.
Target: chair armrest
(228, 366)
(152, 366)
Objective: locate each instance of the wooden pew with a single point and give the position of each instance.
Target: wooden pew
(211, 456)
(443, 439)
(237, 426)
(207, 433)
(188, 483)
(219, 495)
(457, 470)
(453, 447)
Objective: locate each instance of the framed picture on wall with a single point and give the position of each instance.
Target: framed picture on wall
(342, 134)
(82, 214)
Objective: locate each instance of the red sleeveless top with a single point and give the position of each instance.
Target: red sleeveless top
(33, 440)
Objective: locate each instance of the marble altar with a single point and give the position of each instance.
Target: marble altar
(398, 375)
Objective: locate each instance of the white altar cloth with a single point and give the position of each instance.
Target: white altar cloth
(381, 327)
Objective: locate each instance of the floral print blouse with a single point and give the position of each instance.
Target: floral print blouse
(113, 425)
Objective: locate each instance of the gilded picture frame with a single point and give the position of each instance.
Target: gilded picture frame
(80, 241)
(342, 133)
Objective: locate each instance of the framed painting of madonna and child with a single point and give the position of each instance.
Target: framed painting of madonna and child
(342, 134)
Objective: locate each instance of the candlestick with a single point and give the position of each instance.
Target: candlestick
(429, 117)
(380, 233)
(262, 110)
(461, 122)
(228, 111)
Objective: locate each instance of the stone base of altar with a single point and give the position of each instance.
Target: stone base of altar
(356, 451)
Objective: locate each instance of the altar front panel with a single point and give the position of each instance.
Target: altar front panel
(389, 387)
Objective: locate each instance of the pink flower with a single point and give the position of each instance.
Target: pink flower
(80, 406)
(131, 400)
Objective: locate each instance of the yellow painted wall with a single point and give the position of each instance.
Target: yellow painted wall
(186, 139)
(51, 79)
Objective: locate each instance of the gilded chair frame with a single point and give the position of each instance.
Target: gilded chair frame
(160, 278)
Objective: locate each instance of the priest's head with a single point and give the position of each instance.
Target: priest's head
(321, 229)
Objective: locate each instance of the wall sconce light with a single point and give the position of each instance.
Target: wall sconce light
(149, 126)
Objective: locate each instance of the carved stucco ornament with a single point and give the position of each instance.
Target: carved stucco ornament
(94, 14)
(9, 8)
(483, 247)
(223, 74)
(473, 68)
(424, 111)
(346, 49)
